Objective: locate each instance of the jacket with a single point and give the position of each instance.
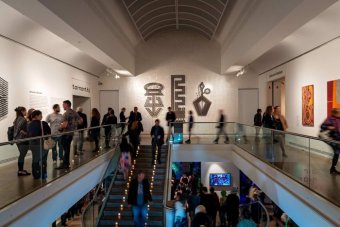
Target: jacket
(159, 133)
(268, 121)
(84, 123)
(96, 131)
(258, 119)
(170, 117)
(133, 190)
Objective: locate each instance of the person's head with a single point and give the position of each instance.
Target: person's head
(233, 190)
(204, 189)
(212, 189)
(56, 108)
(245, 213)
(20, 111)
(112, 112)
(200, 209)
(135, 109)
(29, 114)
(67, 104)
(140, 175)
(109, 109)
(277, 110)
(190, 112)
(36, 115)
(335, 112)
(169, 108)
(157, 122)
(220, 111)
(95, 113)
(269, 110)
(79, 109)
(123, 109)
(259, 111)
(223, 193)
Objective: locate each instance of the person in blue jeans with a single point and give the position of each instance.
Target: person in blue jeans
(138, 197)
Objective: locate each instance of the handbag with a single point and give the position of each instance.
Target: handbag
(49, 143)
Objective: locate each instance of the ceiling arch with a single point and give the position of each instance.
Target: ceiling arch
(153, 16)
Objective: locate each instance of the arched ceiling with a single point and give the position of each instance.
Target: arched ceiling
(153, 16)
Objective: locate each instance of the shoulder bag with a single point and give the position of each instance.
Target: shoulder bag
(49, 143)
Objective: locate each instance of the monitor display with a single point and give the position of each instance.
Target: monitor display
(220, 179)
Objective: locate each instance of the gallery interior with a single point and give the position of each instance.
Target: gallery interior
(212, 58)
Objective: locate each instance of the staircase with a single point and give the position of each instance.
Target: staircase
(116, 211)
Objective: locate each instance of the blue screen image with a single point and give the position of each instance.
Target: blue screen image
(220, 179)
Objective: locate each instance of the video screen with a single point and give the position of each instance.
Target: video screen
(220, 179)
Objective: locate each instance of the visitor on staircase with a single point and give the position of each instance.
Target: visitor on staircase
(157, 135)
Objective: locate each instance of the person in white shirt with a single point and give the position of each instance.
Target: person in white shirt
(55, 119)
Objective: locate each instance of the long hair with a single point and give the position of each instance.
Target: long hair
(19, 111)
(269, 110)
(29, 114)
(95, 113)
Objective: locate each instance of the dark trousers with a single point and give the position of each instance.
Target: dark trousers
(156, 145)
(39, 161)
(66, 141)
(108, 134)
(335, 160)
(23, 149)
(221, 131)
(96, 142)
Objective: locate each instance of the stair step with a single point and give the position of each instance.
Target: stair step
(116, 204)
(120, 197)
(121, 191)
(128, 223)
(128, 213)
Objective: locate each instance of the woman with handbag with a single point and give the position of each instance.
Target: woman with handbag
(39, 147)
(95, 133)
(332, 125)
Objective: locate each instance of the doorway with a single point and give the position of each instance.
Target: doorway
(248, 103)
(109, 98)
(85, 103)
(277, 94)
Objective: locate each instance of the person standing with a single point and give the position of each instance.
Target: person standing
(55, 119)
(135, 127)
(39, 155)
(332, 124)
(223, 211)
(107, 129)
(70, 121)
(20, 132)
(258, 121)
(138, 197)
(111, 120)
(81, 126)
(157, 136)
(280, 125)
(95, 132)
(190, 125)
(221, 130)
(232, 207)
(122, 119)
(216, 206)
(170, 118)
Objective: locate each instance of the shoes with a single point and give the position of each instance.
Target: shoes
(334, 171)
(215, 142)
(188, 141)
(54, 161)
(23, 173)
(62, 167)
(285, 155)
(226, 141)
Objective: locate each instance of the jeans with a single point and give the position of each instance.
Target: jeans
(66, 142)
(23, 149)
(39, 161)
(60, 149)
(139, 215)
(80, 141)
(159, 149)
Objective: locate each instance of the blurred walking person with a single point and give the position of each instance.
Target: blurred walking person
(122, 119)
(190, 125)
(258, 122)
(221, 130)
(170, 118)
(94, 133)
(82, 125)
(280, 125)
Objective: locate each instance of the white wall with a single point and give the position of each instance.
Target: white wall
(180, 53)
(26, 70)
(314, 68)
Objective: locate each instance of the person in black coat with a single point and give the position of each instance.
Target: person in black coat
(221, 130)
(135, 127)
(170, 118)
(95, 133)
(39, 155)
(138, 197)
(83, 125)
(201, 217)
(157, 135)
(122, 119)
(232, 208)
(111, 120)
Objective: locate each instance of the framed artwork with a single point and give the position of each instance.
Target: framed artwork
(308, 105)
(333, 96)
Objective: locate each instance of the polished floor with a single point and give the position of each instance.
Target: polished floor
(14, 187)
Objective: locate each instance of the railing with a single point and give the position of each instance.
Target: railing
(167, 189)
(305, 159)
(43, 168)
(258, 213)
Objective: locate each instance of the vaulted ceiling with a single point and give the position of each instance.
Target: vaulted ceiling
(153, 16)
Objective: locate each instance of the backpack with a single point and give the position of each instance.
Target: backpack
(10, 133)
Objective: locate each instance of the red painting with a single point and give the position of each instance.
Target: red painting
(333, 95)
(308, 105)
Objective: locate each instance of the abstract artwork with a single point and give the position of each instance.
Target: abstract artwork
(202, 104)
(153, 103)
(308, 105)
(3, 98)
(178, 96)
(333, 95)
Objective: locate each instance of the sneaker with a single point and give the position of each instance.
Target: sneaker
(23, 173)
(188, 141)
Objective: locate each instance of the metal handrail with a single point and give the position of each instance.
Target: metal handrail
(55, 135)
(166, 185)
(263, 207)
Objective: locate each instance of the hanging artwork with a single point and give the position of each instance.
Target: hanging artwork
(153, 103)
(178, 96)
(333, 95)
(202, 104)
(308, 105)
(3, 98)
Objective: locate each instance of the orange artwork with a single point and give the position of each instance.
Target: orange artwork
(308, 105)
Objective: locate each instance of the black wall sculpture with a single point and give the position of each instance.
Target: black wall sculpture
(178, 96)
(202, 104)
(153, 103)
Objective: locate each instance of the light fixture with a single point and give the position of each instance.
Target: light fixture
(241, 71)
(117, 76)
